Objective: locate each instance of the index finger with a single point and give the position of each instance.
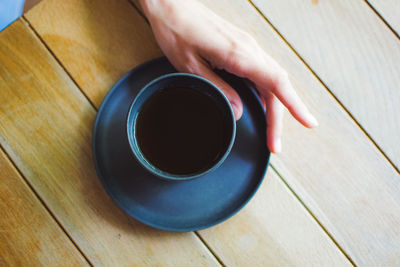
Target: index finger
(283, 89)
(268, 76)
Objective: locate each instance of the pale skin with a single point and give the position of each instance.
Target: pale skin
(196, 40)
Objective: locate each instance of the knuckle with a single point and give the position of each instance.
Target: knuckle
(192, 65)
(239, 64)
(241, 57)
(281, 76)
(246, 37)
(243, 54)
(243, 45)
(248, 43)
(234, 49)
(284, 74)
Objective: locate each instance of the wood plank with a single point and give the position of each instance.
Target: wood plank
(354, 53)
(111, 38)
(390, 11)
(29, 4)
(336, 171)
(322, 246)
(45, 126)
(273, 230)
(29, 236)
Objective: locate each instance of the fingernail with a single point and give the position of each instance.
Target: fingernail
(278, 146)
(312, 121)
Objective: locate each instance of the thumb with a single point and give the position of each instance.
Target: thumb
(205, 71)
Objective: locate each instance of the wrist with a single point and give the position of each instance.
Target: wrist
(155, 8)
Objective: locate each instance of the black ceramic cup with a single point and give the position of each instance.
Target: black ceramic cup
(148, 99)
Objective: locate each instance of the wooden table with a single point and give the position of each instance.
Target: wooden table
(331, 198)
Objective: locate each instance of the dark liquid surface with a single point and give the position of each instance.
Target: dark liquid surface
(181, 131)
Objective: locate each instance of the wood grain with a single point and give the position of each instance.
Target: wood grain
(390, 11)
(323, 250)
(45, 126)
(334, 169)
(110, 36)
(273, 230)
(354, 53)
(29, 236)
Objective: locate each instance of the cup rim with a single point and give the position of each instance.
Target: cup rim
(135, 149)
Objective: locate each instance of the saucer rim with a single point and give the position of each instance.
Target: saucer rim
(122, 206)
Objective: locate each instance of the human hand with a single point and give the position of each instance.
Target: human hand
(196, 40)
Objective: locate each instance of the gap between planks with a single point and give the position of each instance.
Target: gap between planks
(26, 21)
(139, 10)
(326, 87)
(382, 18)
(95, 108)
(209, 249)
(313, 216)
(26, 181)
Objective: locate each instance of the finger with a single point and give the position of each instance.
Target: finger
(274, 116)
(263, 102)
(260, 96)
(284, 90)
(202, 69)
(262, 99)
(266, 73)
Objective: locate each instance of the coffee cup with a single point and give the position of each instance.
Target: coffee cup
(180, 126)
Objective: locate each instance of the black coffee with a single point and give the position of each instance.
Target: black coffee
(181, 131)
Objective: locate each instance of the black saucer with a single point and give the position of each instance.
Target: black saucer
(177, 206)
